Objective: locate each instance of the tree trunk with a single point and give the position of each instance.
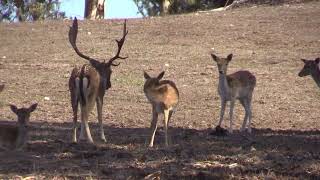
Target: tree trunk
(164, 7)
(94, 9)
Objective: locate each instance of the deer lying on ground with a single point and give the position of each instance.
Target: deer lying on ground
(239, 85)
(163, 96)
(15, 137)
(311, 67)
(88, 84)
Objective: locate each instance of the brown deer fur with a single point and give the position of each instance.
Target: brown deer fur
(87, 85)
(163, 96)
(239, 85)
(311, 67)
(15, 137)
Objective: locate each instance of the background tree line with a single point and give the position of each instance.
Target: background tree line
(32, 10)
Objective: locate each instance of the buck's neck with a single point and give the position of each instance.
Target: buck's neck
(224, 88)
(316, 76)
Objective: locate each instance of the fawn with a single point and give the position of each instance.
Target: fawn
(311, 67)
(163, 96)
(15, 137)
(89, 83)
(239, 85)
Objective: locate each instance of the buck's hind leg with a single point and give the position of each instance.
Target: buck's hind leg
(99, 103)
(74, 91)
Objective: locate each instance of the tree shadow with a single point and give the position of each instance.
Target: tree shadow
(193, 154)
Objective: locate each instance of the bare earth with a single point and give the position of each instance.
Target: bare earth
(36, 60)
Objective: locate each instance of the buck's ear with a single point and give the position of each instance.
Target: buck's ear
(32, 107)
(14, 108)
(304, 60)
(214, 57)
(229, 57)
(317, 60)
(160, 76)
(146, 75)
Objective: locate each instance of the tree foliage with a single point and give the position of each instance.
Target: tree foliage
(156, 7)
(29, 10)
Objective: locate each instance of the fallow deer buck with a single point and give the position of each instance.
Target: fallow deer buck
(239, 85)
(311, 67)
(88, 84)
(163, 96)
(15, 137)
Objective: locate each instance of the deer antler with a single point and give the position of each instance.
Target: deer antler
(73, 32)
(120, 44)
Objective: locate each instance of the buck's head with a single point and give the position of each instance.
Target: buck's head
(222, 63)
(23, 113)
(104, 67)
(310, 66)
(152, 81)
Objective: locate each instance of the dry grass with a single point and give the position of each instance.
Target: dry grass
(269, 41)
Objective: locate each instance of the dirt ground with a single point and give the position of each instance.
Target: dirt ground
(36, 60)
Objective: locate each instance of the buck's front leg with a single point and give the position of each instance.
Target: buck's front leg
(99, 110)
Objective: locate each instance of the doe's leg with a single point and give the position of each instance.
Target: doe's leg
(223, 108)
(232, 102)
(153, 125)
(166, 122)
(244, 103)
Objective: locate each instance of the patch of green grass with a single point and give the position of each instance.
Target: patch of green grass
(129, 80)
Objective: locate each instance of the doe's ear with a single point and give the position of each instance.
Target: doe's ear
(317, 60)
(160, 76)
(146, 75)
(304, 60)
(14, 108)
(32, 107)
(214, 57)
(229, 57)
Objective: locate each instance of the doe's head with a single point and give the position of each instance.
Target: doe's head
(309, 67)
(152, 81)
(23, 113)
(222, 62)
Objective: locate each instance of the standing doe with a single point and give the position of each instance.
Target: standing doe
(15, 137)
(311, 67)
(163, 96)
(88, 84)
(239, 85)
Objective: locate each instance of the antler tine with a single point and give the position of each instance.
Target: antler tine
(120, 44)
(73, 32)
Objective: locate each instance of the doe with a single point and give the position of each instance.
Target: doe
(88, 85)
(163, 96)
(311, 67)
(15, 137)
(239, 85)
